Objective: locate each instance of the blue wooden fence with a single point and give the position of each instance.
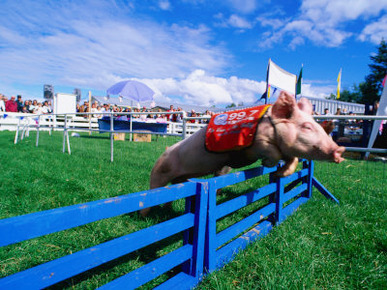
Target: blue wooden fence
(203, 249)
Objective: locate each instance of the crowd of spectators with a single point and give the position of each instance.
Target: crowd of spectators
(171, 115)
(17, 105)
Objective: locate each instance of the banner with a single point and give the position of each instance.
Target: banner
(338, 85)
(281, 79)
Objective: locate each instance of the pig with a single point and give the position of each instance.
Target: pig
(286, 132)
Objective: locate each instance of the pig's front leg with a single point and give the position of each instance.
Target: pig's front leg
(289, 167)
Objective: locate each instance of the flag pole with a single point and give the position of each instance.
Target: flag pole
(267, 83)
(89, 112)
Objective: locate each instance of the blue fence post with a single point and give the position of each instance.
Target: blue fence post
(309, 179)
(199, 233)
(210, 246)
(272, 198)
(277, 198)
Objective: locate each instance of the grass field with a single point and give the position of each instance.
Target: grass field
(323, 245)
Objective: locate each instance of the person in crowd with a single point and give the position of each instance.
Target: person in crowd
(338, 111)
(326, 111)
(19, 102)
(2, 103)
(25, 110)
(39, 109)
(81, 110)
(93, 109)
(180, 117)
(160, 118)
(27, 106)
(206, 114)
(105, 109)
(48, 106)
(375, 108)
(171, 117)
(33, 106)
(45, 108)
(136, 110)
(143, 116)
(193, 114)
(11, 105)
(99, 111)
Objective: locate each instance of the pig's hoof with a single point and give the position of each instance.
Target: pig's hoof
(285, 173)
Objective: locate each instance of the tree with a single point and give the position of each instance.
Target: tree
(231, 106)
(371, 89)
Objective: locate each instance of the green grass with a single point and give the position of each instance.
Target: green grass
(323, 245)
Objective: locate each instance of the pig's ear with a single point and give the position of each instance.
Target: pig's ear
(284, 107)
(306, 106)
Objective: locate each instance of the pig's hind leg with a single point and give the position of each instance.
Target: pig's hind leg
(162, 174)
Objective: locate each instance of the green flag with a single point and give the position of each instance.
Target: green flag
(299, 80)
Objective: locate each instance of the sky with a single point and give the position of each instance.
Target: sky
(202, 52)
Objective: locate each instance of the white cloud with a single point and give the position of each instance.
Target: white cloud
(317, 91)
(97, 50)
(239, 22)
(375, 31)
(200, 88)
(243, 6)
(165, 5)
(325, 23)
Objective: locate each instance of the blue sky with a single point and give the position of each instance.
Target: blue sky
(201, 52)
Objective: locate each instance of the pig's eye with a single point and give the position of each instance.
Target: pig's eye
(307, 127)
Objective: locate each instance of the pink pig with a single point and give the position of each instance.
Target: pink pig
(286, 132)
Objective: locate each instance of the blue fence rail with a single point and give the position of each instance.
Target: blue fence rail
(203, 249)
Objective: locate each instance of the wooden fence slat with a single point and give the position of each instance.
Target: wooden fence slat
(181, 281)
(151, 270)
(243, 200)
(233, 178)
(37, 224)
(63, 268)
(239, 227)
(295, 176)
(294, 192)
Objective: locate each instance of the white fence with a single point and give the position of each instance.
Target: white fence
(23, 123)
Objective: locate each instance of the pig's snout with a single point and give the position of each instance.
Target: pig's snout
(337, 154)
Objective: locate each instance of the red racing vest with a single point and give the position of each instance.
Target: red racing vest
(233, 130)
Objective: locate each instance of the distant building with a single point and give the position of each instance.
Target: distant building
(320, 104)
